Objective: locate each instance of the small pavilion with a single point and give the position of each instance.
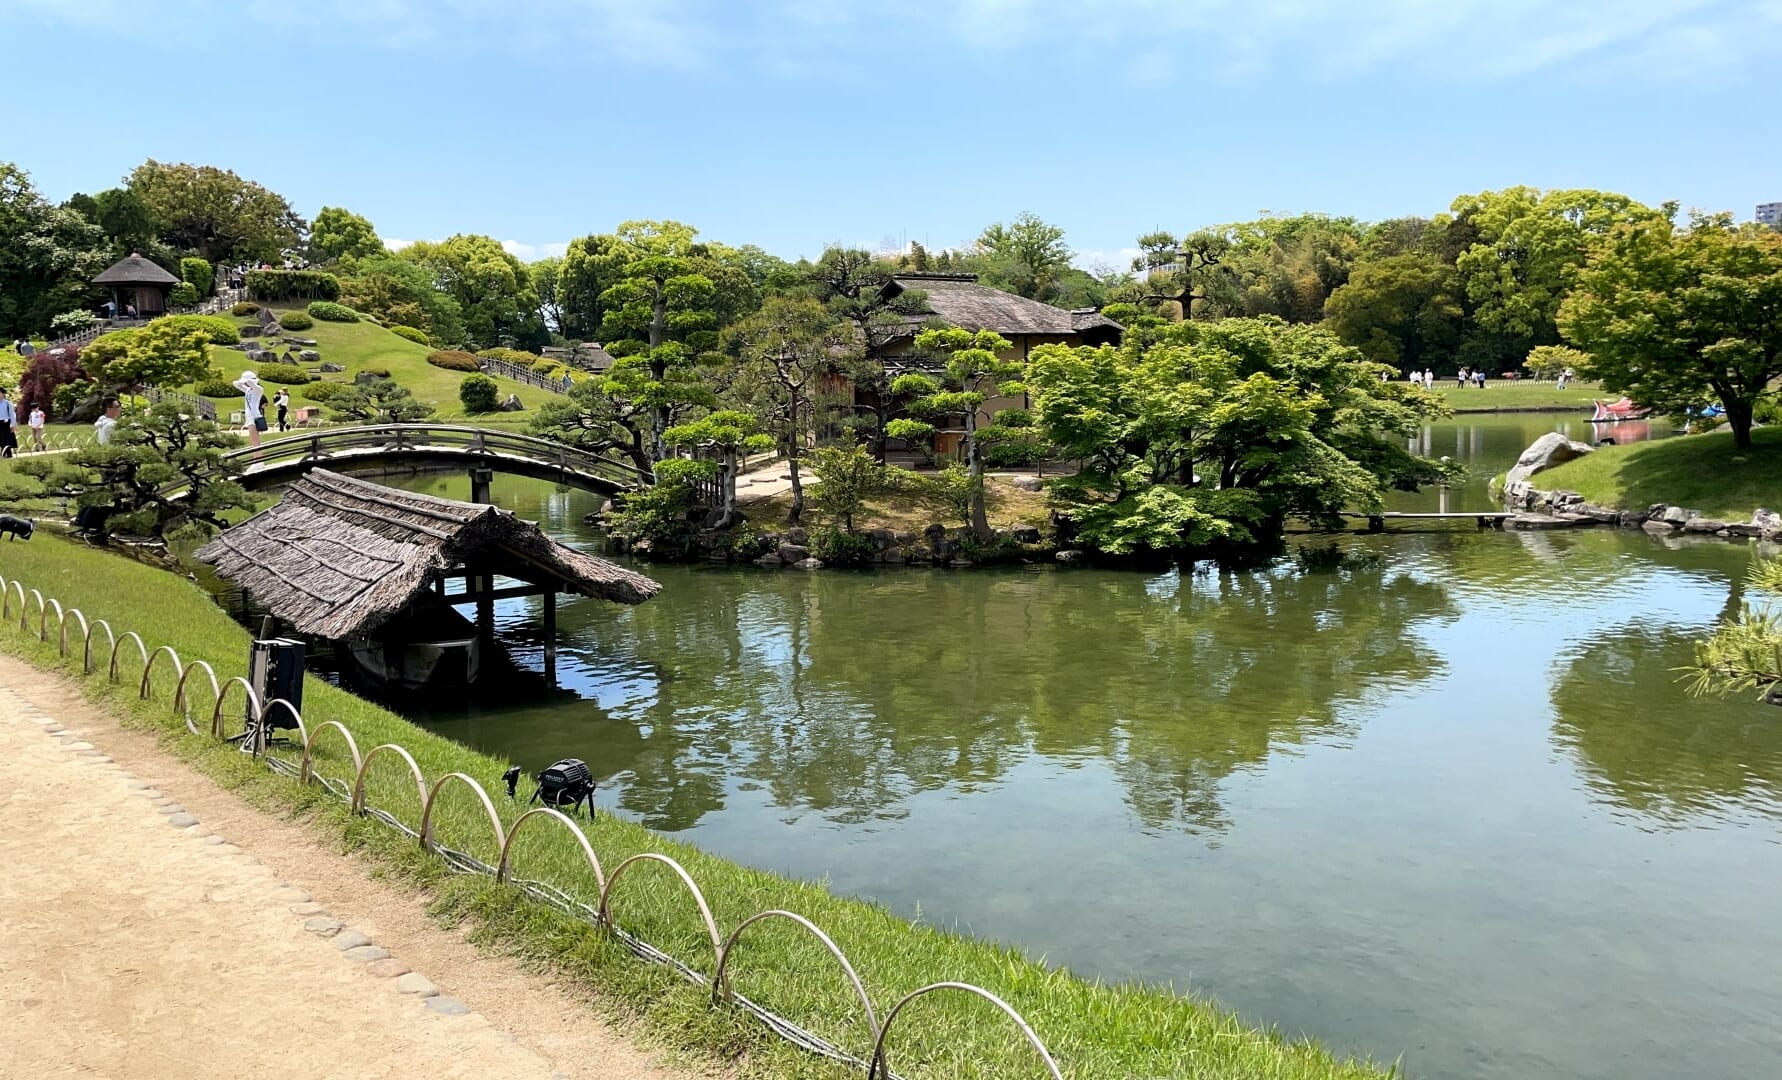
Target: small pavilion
(339, 556)
(136, 280)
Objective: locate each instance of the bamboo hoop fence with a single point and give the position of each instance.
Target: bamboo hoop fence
(723, 947)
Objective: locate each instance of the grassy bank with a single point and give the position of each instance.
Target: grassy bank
(1094, 1030)
(1005, 504)
(1499, 396)
(1701, 472)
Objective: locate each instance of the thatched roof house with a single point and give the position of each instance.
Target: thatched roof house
(340, 556)
(958, 299)
(144, 283)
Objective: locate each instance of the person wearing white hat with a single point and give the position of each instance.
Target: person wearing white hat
(255, 396)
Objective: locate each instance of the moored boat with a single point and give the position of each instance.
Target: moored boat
(430, 646)
(1624, 409)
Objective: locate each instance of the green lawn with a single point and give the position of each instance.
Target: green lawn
(357, 346)
(1500, 396)
(1700, 472)
(1094, 1029)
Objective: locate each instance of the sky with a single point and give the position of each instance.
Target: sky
(793, 124)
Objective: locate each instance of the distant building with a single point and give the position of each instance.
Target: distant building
(1769, 213)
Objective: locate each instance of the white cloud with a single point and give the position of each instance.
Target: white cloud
(394, 244)
(1098, 262)
(535, 252)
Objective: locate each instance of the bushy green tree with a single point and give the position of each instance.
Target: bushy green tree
(1548, 361)
(338, 234)
(198, 273)
(1400, 310)
(970, 370)
(784, 349)
(848, 477)
(492, 289)
(1671, 317)
(1027, 256)
(162, 471)
(401, 293)
(48, 255)
(609, 412)
(1211, 435)
(215, 213)
(723, 436)
(479, 394)
(381, 401)
(167, 352)
(851, 284)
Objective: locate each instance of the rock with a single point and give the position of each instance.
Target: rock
(1544, 453)
(311, 908)
(770, 562)
(350, 939)
(961, 564)
(1026, 483)
(416, 984)
(1657, 525)
(171, 808)
(181, 821)
(1025, 534)
(387, 969)
(365, 954)
(309, 356)
(1677, 515)
(644, 546)
(793, 553)
(1632, 519)
(364, 378)
(331, 368)
(213, 838)
(809, 564)
(250, 331)
(305, 341)
(904, 537)
(1068, 556)
(448, 1006)
(1601, 514)
(513, 404)
(78, 745)
(1767, 522)
(881, 538)
(1738, 529)
(322, 925)
(797, 535)
(1703, 525)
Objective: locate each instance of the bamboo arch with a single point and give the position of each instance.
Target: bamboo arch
(705, 911)
(216, 713)
(482, 796)
(141, 649)
(878, 1063)
(721, 985)
(359, 780)
(581, 839)
(62, 636)
(307, 770)
(148, 668)
(179, 694)
(43, 617)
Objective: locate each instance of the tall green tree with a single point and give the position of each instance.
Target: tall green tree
(1026, 256)
(1672, 316)
(48, 254)
(492, 289)
(784, 349)
(591, 266)
(215, 214)
(723, 436)
(401, 291)
(970, 371)
(1209, 436)
(851, 284)
(1400, 310)
(338, 234)
(166, 352)
(1180, 273)
(546, 275)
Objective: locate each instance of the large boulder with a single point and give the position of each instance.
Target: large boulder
(1544, 453)
(1767, 522)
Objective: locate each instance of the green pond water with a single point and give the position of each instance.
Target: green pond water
(1448, 804)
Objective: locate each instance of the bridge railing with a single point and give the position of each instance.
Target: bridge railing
(373, 440)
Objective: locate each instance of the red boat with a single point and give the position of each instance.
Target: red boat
(1620, 410)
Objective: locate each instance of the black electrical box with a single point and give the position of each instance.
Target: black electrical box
(276, 671)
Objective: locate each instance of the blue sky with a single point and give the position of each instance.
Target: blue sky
(796, 123)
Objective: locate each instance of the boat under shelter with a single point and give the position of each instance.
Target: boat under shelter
(368, 566)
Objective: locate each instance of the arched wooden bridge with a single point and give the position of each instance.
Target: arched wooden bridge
(278, 461)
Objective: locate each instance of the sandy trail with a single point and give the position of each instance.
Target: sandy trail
(133, 947)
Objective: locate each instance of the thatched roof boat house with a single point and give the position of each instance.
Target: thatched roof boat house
(340, 557)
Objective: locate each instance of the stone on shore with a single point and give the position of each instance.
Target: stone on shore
(1541, 521)
(350, 939)
(1703, 525)
(1544, 453)
(417, 984)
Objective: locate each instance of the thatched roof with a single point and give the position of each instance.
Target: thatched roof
(339, 556)
(959, 299)
(135, 270)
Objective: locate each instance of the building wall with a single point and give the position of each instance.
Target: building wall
(1769, 213)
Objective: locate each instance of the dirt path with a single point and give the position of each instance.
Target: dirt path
(136, 943)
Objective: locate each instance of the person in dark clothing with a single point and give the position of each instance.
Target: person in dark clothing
(282, 402)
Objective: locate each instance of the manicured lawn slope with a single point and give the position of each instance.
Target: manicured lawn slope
(1095, 1031)
(360, 345)
(1700, 472)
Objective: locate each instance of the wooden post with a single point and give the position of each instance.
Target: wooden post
(481, 477)
(484, 584)
(550, 634)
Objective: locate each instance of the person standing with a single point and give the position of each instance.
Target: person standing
(9, 442)
(107, 422)
(254, 399)
(282, 402)
(36, 420)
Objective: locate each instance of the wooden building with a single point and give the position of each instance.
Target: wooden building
(338, 558)
(136, 281)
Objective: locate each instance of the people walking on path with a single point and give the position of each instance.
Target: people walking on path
(9, 441)
(282, 402)
(253, 410)
(35, 421)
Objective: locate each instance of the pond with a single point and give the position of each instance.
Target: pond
(1446, 803)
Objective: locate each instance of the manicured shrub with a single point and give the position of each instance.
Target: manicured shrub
(452, 360)
(419, 337)
(72, 322)
(543, 365)
(379, 372)
(292, 285)
(841, 548)
(478, 393)
(244, 309)
(198, 273)
(48, 372)
(218, 329)
(511, 356)
(327, 311)
(322, 391)
(289, 374)
(295, 320)
(185, 294)
(215, 386)
(68, 396)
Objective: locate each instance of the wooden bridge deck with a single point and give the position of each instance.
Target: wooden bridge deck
(1484, 519)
